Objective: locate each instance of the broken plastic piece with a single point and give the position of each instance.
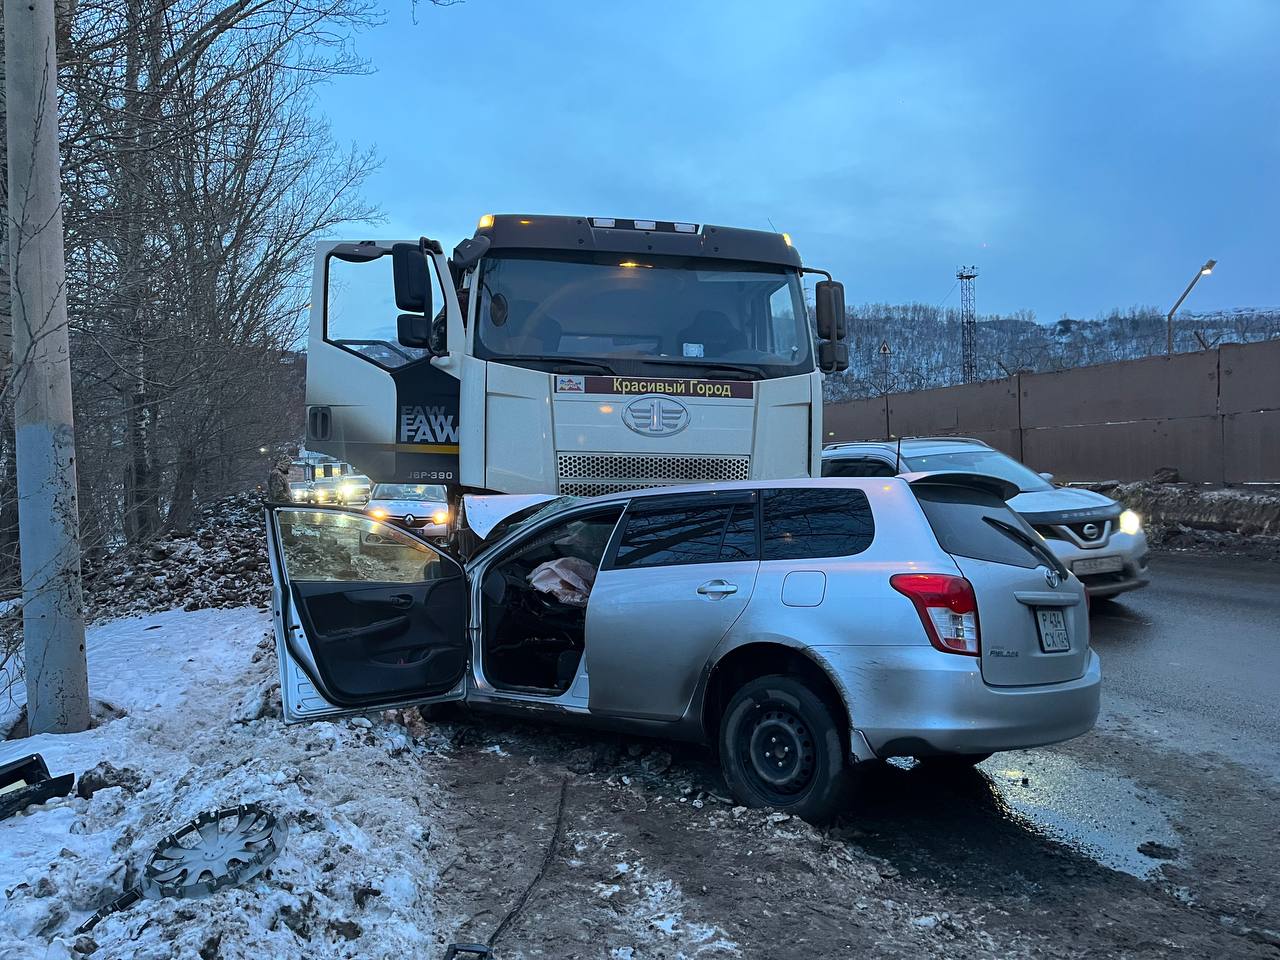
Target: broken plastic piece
(568, 579)
(25, 782)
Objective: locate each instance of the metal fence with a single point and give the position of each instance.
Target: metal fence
(1214, 416)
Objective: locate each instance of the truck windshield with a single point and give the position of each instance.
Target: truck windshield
(628, 313)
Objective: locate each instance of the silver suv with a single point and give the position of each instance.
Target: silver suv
(1101, 541)
(796, 626)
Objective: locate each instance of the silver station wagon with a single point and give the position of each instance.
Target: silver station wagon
(797, 627)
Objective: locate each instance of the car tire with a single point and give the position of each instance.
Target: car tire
(781, 721)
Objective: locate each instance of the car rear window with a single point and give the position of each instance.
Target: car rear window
(803, 523)
(974, 523)
(704, 533)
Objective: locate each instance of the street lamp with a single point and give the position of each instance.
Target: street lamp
(1202, 272)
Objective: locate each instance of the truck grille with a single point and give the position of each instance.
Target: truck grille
(593, 474)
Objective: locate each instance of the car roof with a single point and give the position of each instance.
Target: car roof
(728, 486)
(915, 446)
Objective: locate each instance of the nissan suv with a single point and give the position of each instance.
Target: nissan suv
(1101, 541)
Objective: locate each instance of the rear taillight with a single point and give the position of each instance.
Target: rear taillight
(947, 607)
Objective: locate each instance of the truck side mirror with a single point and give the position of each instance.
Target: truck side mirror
(412, 277)
(833, 356)
(828, 297)
(414, 330)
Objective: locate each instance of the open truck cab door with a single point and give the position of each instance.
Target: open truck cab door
(366, 615)
(384, 360)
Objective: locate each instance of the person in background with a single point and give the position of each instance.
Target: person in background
(278, 482)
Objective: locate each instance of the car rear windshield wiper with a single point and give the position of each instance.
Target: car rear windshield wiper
(1036, 549)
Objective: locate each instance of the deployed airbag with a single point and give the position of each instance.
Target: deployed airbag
(568, 579)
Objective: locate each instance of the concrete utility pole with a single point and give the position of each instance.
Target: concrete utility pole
(1168, 321)
(48, 515)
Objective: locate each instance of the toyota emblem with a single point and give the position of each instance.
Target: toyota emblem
(1052, 577)
(655, 416)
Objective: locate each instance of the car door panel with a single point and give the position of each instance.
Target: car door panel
(679, 574)
(380, 641)
(357, 629)
(650, 632)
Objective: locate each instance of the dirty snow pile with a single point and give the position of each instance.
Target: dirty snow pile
(221, 563)
(197, 727)
(1182, 516)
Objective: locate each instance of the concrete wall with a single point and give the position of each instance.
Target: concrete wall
(1213, 415)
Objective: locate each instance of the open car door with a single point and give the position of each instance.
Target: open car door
(367, 616)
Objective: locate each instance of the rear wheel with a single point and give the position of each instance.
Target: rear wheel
(780, 747)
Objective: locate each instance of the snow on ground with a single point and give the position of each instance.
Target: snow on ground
(202, 730)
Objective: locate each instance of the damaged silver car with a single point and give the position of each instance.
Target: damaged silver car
(797, 627)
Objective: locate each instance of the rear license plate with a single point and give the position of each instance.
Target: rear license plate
(1097, 565)
(1053, 630)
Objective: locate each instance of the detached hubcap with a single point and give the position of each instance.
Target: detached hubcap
(780, 750)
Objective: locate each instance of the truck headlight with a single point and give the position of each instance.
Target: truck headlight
(347, 491)
(299, 494)
(1130, 522)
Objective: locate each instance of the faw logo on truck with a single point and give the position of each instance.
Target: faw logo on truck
(431, 425)
(624, 386)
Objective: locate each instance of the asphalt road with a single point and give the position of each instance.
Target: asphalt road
(1195, 657)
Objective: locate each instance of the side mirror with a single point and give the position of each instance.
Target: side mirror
(833, 356)
(412, 275)
(414, 330)
(828, 296)
(1047, 476)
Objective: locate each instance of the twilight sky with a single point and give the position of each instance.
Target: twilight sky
(1083, 155)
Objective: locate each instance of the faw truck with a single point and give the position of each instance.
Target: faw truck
(571, 355)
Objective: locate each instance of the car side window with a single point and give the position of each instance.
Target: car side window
(856, 467)
(326, 547)
(803, 523)
(703, 533)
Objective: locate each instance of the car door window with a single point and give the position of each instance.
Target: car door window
(697, 533)
(333, 546)
(803, 523)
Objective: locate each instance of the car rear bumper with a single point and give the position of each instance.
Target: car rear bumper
(916, 701)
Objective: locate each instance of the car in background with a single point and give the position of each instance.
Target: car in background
(420, 507)
(800, 626)
(1097, 538)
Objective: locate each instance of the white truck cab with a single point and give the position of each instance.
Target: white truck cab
(571, 355)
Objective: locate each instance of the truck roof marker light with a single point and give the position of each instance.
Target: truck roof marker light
(686, 228)
(485, 222)
(786, 238)
(632, 264)
(603, 222)
(646, 225)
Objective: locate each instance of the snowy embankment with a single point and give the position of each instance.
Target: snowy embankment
(196, 726)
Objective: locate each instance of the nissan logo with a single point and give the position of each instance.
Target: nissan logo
(655, 416)
(1090, 531)
(1052, 577)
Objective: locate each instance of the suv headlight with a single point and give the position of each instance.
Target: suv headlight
(1130, 522)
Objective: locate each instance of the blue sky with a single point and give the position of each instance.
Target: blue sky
(1084, 155)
